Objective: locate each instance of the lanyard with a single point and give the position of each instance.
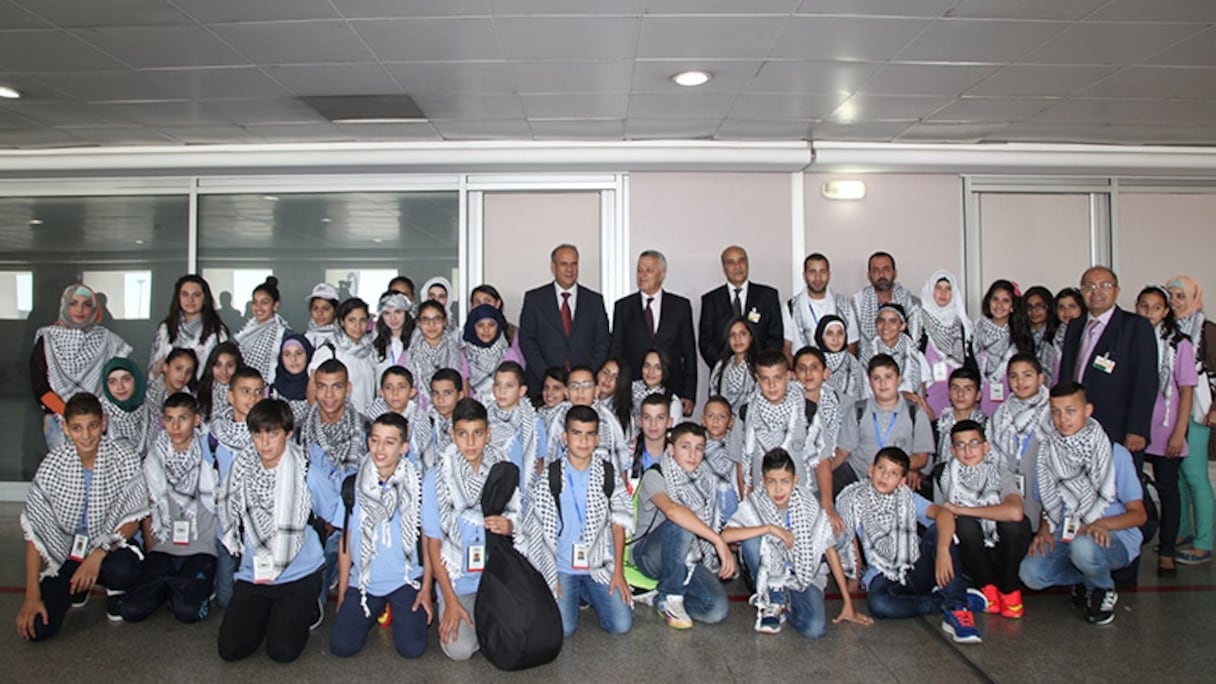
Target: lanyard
(882, 439)
(582, 518)
(814, 317)
(1023, 444)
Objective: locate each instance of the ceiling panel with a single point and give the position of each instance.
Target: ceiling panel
(664, 129)
(406, 40)
(454, 78)
(1100, 111)
(679, 106)
(578, 129)
(49, 51)
(968, 133)
(168, 113)
(890, 8)
(576, 76)
(69, 114)
(1197, 11)
(1109, 43)
(37, 137)
(575, 106)
(888, 107)
(335, 79)
(928, 79)
(708, 37)
(1025, 9)
(87, 13)
(811, 77)
(728, 77)
(413, 8)
(162, 46)
(229, 11)
(845, 38)
(568, 37)
(1156, 82)
(284, 42)
(14, 17)
(121, 135)
(493, 129)
(1199, 50)
(991, 109)
(860, 130)
(387, 131)
(265, 110)
(504, 8)
(1031, 81)
(719, 6)
(978, 41)
(167, 84)
(299, 132)
(742, 129)
(761, 106)
(471, 107)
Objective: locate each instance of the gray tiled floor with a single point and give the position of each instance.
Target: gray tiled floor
(1164, 620)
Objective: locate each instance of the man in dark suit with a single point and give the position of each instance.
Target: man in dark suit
(652, 318)
(1113, 353)
(562, 323)
(739, 297)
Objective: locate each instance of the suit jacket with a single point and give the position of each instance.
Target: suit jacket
(1123, 399)
(631, 339)
(543, 341)
(716, 310)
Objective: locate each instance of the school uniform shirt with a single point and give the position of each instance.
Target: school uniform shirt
(1165, 415)
(937, 393)
(325, 485)
(922, 517)
(387, 560)
(470, 534)
(361, 372)
(309, 560)
(207, 521)
(1127, 489)
(878, 428)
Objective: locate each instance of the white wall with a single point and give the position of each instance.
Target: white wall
(1034, 239)
(1164, 235)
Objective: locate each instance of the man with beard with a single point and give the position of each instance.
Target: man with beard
(804, 310)
(883, 289)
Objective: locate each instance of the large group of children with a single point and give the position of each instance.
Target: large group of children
(895, 445)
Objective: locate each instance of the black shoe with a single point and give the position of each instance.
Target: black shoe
(318, 615)
(1080, 596)
(79, 600)
(114, 605)
(1165, 572)
(1102, 606)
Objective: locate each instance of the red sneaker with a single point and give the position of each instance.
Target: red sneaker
(386, 618)
(1011, 604)
(994, 599)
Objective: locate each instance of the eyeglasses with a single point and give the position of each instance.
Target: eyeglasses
(973, 444)
(1090, 287)
(586, 384)
(427, 320)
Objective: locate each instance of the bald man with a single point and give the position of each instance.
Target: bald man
(757, 303)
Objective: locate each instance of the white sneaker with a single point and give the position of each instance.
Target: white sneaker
(646, 598)
(672, 610)
(769, 618)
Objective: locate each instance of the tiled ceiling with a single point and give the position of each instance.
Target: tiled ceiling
(136, 72)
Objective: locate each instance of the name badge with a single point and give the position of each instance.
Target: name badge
(80, 547)
(1020, 481)
(181, 532)
(578, 557)
(996, 392)
(753, 316)
(1104, 363)
(939, 371)
(477, 558)
(1072, 525)
(263, 569)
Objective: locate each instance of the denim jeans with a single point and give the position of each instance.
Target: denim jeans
(1080, 561)
(804, 609)
(616, 616)
(916, 596)
(351, 624)
(330, 574)
(660, 555)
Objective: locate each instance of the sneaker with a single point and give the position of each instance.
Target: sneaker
(977, 601)
(1011, 604)
(672, 610)
(386, 618)
(768, 619)
(1102, 606)
(79, 600)
(1193, 556)
(646, 598)
(993, 597)
(318, 614)
(114, 605)
(960, 625)
(1080, 596)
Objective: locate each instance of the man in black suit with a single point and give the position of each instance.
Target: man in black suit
(739, 297)
(652, 318)
(1113, 353)
(562, 323)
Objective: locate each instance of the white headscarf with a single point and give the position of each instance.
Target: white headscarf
(956, 310)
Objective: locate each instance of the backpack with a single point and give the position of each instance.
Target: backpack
(348, 503)
(518, 623)
(912, 409)
(555, 484)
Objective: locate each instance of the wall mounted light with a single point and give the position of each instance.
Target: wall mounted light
(844, 190)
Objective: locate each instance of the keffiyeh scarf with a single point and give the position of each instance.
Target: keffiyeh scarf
(993, 348)
(1016, 419)
(947, 326)
(804, 319)
(483, 361)
(1167, 354)
(260, 343)
(127, 426)
(823, 429)
(508, 425)
(945, 422)
(640, 391)
(423, 359)
(906, 355)
(865, 304)
(734, 381)
(75, 357)
(696, 491)
(889, 521)
(458, 493)
(378, 504)
(1076, 474)
(343, 442)
(182, 478)
(973, 486)
(272, 507)
(780, 568)
(772, 425)
(233, 435)
(189, 336)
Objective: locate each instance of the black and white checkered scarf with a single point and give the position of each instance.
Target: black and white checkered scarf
(272, 506)
(1047, 352)
(260, 344)
(189, 336)
(906, 355)
(182, 478)
(865, 306)
(75, 357)
(640, 391)
(1076, 474)
(55, 501)
(734, 381)
(458, 494)
(343, 442)
(846, 374)
(993, 348)
(698, 492)
(483, 361)
(780, 568)
(318, 335)
(800, 310)
(946, 422)
(823, 429)
(770, 425)
(613, 443)
(541, 525)
(1015, 419)
(973, 486)
(1167, 354)
(232, 434)
(518, 422)
(889, 521)
(423, 360)
(378, 503)
(719, 458)
(130, 427)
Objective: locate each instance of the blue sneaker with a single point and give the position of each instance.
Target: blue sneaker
(976, 601)
(960, 625)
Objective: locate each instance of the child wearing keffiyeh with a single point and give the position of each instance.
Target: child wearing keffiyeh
(83, 505)
(484, 347)
(262, 335)
(776, 414)
(263, 511)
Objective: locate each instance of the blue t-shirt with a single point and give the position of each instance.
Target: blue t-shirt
(325, 486)
(1127, 489)
(223, 458)
(84, 515)
(649, 460)
(388, 560)
(470, 534)
(922, 516)
(310, 559)
(574, 518)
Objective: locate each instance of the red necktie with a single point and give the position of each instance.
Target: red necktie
(567, 319)
(649, 316)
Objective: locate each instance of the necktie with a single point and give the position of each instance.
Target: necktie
(738, 304)
(649, 316)
(1087, 347)
(567, 319)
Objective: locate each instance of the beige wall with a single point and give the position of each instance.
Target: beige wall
(522, 228)
(691, 218)
(917, 218)
(1162, 235)
(1034, 239)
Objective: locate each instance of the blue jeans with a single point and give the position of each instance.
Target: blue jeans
(916, 596)
(351, 624)
(616, 617)
(1081, 561)
(225, 573)
(804, 609)
(660, 555)
(331, 563)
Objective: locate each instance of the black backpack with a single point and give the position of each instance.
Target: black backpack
(518, 624)
(555, 484)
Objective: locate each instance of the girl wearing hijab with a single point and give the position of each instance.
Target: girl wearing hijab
(484, 348)
(394, 327)
(845, 374)
(947, 332)
(488, 294)
(193, 323)
(69, 355)
(122, 400)
(262, 335)
(1195, 526)
(322, 310)
(291, 376)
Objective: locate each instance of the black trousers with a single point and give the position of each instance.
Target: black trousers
(118, 571)
(185, 582)
(999, 564)
(279, 614)
(1165, 472)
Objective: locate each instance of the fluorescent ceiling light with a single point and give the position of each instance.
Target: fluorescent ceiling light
(844, 190)
(9, 93)
(691, 79)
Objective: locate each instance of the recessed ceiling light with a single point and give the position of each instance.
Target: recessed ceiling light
(691, 79)
(139, 242)
(9, 93)
(326, 219)
(377, 240)
(270, 198)
(35, 222)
